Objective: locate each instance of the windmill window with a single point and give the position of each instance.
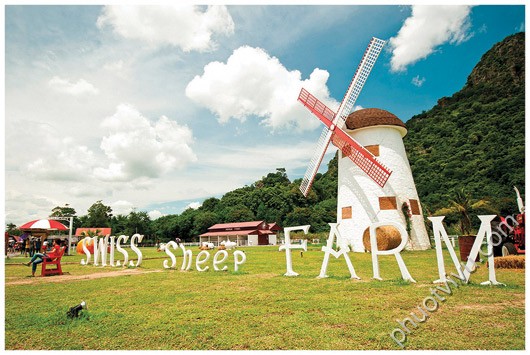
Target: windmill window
(415, 207)
(374, 149)
(388, 203)
(346, 212)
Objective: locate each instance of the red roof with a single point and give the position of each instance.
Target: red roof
(226, 233)
(241, 225)
(274, 227)
(241, 228)
(99, 231)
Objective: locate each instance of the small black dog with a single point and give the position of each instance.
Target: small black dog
(74, 311)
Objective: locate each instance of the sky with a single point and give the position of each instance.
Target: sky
(156, 108)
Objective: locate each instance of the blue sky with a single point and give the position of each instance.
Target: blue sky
(159, 108)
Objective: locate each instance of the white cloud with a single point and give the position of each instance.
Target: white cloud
(22, 207)
(184, 26)
(417, 81)
(155, 214)
(193, 205)
(121, 207)
(427, 28)
(90, 189)
(262, 158)
(65, 86)
(139, 149)
(70, 162)
(357, 108)
(252, 83)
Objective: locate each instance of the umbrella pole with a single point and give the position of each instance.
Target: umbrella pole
(70, 236)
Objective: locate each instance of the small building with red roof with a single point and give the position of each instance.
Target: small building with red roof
(242, 233)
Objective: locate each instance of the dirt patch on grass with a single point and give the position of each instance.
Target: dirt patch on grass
(517, 301)
(67, 278)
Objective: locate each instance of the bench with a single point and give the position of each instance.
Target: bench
(57, 270)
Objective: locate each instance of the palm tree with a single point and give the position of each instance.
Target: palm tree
(91, 233)
(463, 205)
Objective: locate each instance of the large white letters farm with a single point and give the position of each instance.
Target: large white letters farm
(101, 246)
(464, 270)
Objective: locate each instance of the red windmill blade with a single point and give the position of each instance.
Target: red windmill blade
(334, 122)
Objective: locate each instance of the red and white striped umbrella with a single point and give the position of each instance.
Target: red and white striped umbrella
(44, 224)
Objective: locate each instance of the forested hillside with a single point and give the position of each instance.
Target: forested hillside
(475, 139)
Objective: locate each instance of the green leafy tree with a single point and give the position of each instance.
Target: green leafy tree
(12, 229)
(238, 213)
(119, 224)
(210, 204)
(299, 216)
(185, 222)
(273, 179)
(65, 211)
(166, 228)
(99, 215)
(138, 222)
(203, 221)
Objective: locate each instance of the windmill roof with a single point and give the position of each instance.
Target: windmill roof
(369, 117)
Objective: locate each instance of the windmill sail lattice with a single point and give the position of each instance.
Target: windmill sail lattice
(335, 121)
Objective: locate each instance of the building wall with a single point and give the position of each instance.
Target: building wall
(241, 240)
(253, 240)
(360, 193)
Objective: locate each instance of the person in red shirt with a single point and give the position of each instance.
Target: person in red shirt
(39, 257)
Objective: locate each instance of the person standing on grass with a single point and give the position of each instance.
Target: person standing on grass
(27, 243)
(39, 257)
(31, 247)
(38, 245)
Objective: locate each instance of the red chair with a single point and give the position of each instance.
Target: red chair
(57, 270)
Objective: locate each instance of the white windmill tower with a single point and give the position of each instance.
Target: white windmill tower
(363, 191)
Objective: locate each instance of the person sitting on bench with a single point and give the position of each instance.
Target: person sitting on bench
(39, 257)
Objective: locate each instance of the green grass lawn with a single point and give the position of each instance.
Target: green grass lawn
(257, 308)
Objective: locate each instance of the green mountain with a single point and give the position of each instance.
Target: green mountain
(475, 139)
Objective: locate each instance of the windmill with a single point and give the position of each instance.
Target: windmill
(334, 122)
(365, 194)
